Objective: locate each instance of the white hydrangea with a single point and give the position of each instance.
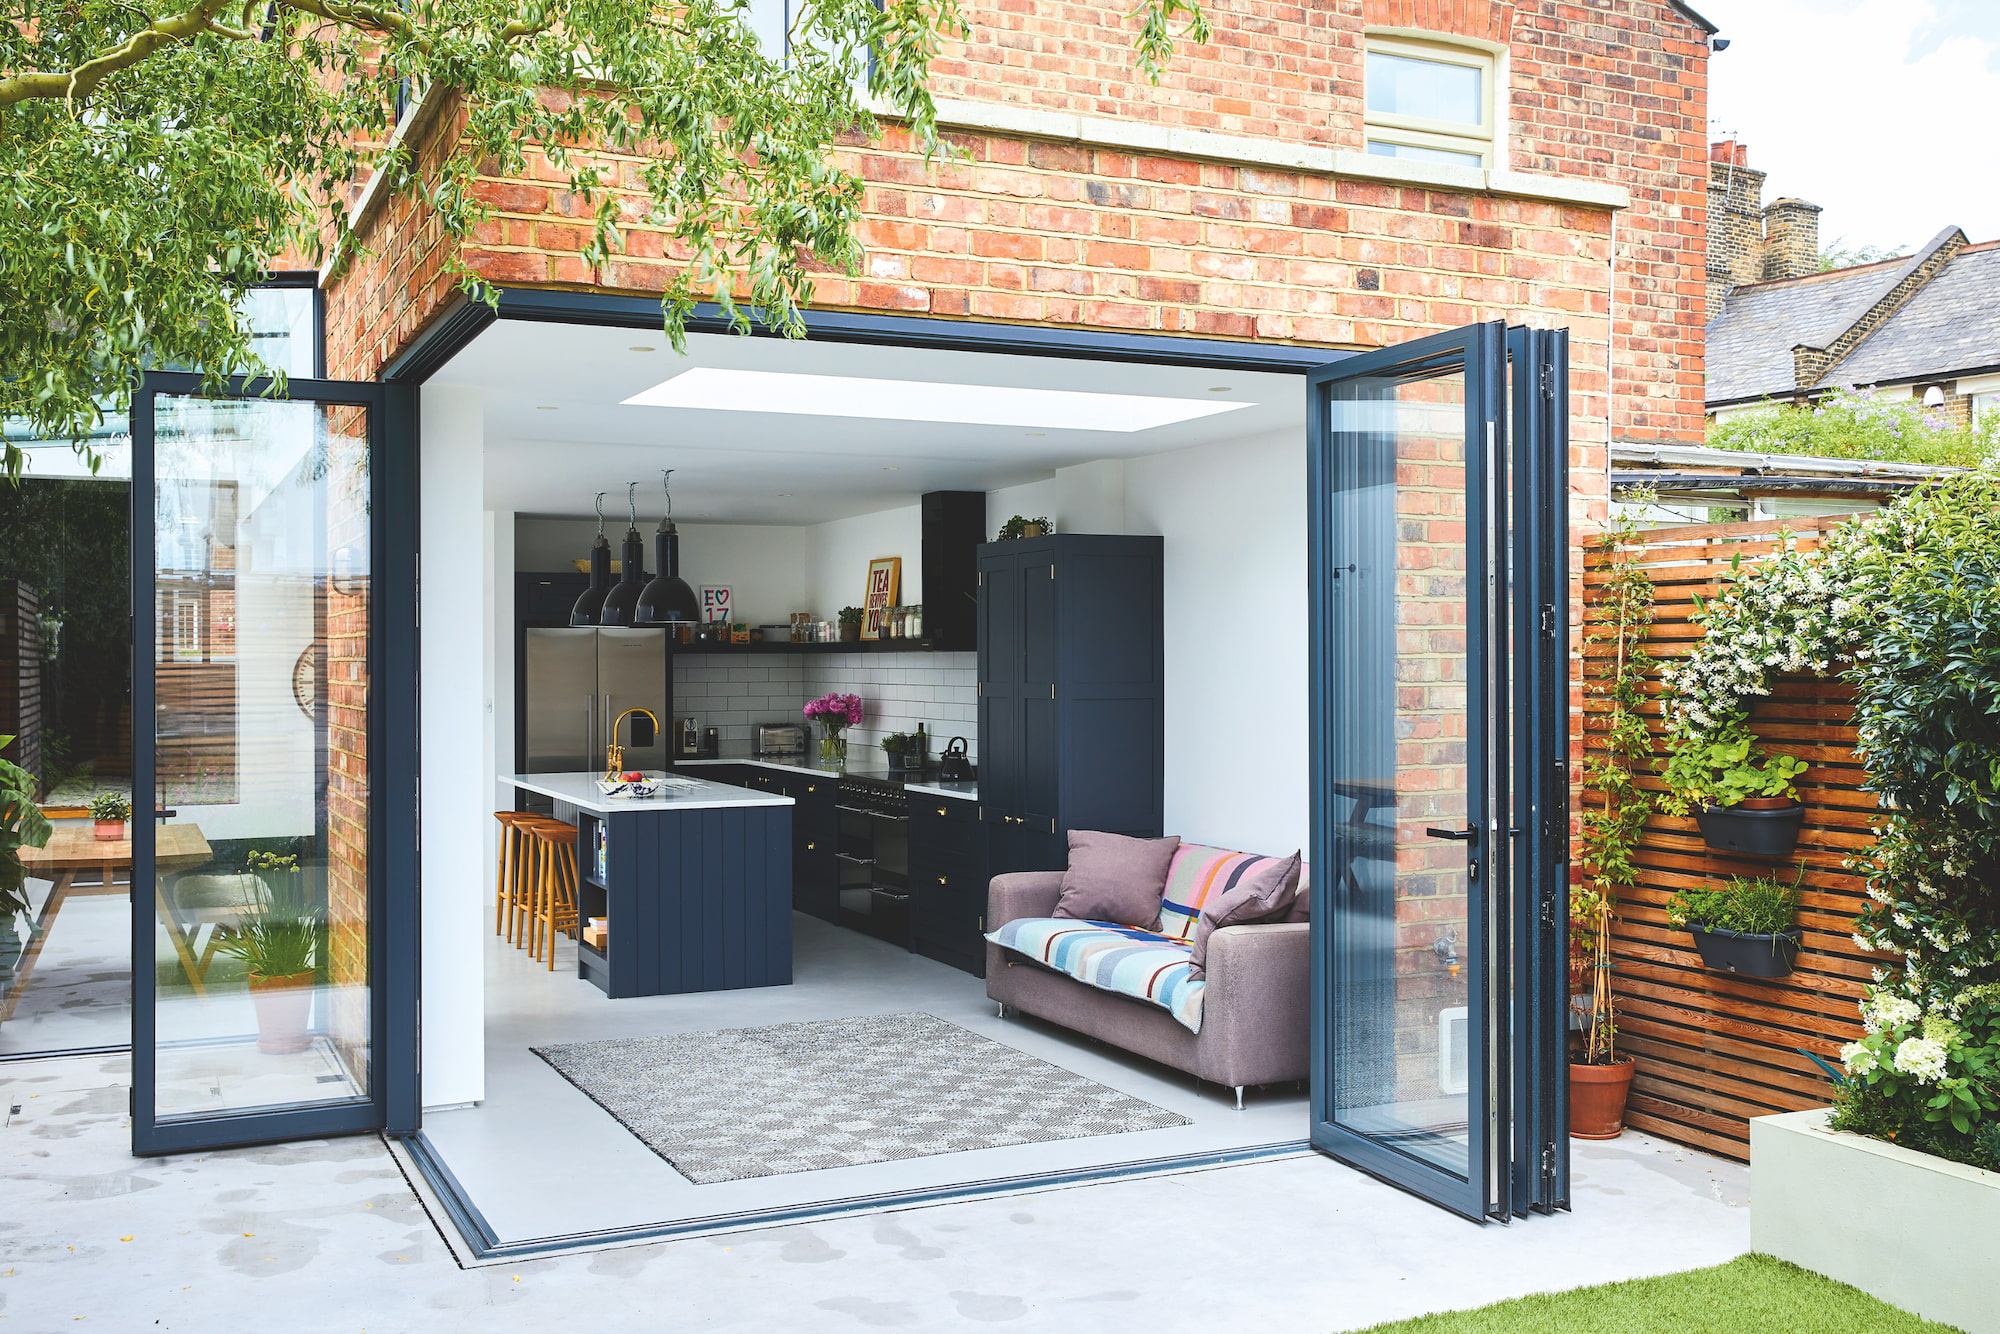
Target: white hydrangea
(1885, 1009)
(1921, 1058)
(1858, 1058)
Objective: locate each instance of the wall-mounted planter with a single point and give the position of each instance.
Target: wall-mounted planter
(1750, 955)
(1915, 1230)
(1751, 833)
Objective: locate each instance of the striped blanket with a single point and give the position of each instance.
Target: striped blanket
(1144, 965)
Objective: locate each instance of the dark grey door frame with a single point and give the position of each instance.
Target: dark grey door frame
(393, 1092)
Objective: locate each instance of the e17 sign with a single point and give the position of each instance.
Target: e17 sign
(715, 602)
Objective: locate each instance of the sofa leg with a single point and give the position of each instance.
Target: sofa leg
(1239, 1097)
(1003, 1009)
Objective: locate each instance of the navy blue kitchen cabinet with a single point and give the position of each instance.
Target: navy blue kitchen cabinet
(1072, 715)
(948, 881)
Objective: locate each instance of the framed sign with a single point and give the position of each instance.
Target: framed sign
(885, 577)
(715, 603)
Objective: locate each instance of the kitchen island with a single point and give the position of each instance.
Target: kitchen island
(694, 884)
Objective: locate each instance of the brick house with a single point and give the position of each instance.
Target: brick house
(1383, 203)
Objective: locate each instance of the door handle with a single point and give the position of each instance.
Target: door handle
(1456, 835)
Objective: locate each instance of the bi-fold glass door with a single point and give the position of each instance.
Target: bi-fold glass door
(273, 680)
(1437, 478)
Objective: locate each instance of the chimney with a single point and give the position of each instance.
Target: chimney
(1791, 238)
(1735, 221)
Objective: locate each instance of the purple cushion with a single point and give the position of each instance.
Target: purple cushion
(1112, 878)
(1267, 890)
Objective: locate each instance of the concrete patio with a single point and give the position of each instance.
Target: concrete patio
(327, 1236)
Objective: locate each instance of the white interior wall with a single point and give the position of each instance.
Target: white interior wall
(454, 601)
(1234, 519)
(838, 554)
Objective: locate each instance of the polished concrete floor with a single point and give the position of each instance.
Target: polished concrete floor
(603, 1178)
(79, 993)
(325, 1238)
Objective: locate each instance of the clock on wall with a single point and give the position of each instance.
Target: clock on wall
(309, 679)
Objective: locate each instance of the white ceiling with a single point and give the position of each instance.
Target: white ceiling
(557, 431)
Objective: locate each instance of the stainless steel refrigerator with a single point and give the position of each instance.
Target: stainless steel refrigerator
(576, 685)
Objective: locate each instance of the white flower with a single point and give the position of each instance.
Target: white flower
(1858, 1058)
(1921, 1058)
(1885, 1009)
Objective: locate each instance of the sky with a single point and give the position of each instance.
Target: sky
(1884, 112)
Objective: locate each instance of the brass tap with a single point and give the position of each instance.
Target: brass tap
(614, 754)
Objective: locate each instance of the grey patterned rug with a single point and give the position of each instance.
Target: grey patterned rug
(759, 1102)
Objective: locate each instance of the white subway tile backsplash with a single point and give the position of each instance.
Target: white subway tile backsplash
(734, 692)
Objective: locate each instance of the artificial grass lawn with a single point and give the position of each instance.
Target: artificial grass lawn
(1752, 1294)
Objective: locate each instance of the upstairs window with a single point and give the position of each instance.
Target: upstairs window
(1429, 101)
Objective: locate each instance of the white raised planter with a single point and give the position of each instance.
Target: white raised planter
(1919, 1232)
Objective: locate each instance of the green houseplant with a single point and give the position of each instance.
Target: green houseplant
(110, 810)
(1747, 926)
(22, 825)
(850, 623)
(1019, 527)
(282, 938)
(905, 750)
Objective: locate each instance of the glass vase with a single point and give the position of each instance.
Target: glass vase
(833, 750)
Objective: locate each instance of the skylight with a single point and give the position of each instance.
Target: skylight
(921, 401)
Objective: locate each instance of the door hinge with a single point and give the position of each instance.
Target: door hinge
(1548, 382)
(1548, 620)
(1052, 690)
(982, 578)
(1548, 1160)
(982, 688)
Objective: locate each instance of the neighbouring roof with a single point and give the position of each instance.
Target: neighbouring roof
(1750, 343)
(1951, 324)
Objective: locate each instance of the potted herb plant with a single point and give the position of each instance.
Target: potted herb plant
(110, 811)
(850, 624)
(22, 825)
(1019, 527)
(1748, 926)
(905, 750)
(282, 937)
(1600, 1079)
(1742, 796)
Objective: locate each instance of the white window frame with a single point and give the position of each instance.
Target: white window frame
(1481, 140)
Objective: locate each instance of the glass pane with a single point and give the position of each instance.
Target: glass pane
(1432, 89)
(1400, 1069)
(260, 673)
(1420, 153)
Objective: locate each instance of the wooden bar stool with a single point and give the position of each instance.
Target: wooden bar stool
(553, 893)
(510, 879)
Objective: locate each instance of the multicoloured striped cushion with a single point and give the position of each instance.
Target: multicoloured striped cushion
(1141, 964)
(1197, 875)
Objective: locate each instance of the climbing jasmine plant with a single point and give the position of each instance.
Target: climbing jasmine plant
(1617, 745)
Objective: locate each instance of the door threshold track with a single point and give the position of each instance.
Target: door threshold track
(473, 1242)
(108, 1049)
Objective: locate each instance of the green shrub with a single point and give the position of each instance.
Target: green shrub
(1760, 907)
(1848, 424)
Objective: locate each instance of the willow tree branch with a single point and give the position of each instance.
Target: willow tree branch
(77, 85)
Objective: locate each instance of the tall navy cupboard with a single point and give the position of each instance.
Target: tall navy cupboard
(1072, 713)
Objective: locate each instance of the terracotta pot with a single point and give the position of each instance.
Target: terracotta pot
(108, 831)
(284, 1008)
(1765, 804)
(1597, 1099)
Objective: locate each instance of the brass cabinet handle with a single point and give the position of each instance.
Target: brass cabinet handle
(943, 881)
(941, 810)
(812, 847)
(812, 787)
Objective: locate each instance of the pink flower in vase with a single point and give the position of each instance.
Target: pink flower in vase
(835, 712)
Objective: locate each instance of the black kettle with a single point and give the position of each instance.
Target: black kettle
(955, 765)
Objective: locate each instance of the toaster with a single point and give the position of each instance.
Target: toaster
(780, 738)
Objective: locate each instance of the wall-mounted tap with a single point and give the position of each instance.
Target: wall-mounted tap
(1446, 948)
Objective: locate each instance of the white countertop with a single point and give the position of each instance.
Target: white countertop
(683, 793)
(804, 764)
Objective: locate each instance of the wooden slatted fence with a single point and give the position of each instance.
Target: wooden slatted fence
(1714, 1049)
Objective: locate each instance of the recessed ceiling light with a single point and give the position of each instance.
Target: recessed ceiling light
(545, 407)
(892, 468)
(642, 349)
(1218, 389)
(784, 495)
(1036, 435)
(717, 389)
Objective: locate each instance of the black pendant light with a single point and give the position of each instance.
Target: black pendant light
(623, 599)
(590, 602)
(668, 597)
